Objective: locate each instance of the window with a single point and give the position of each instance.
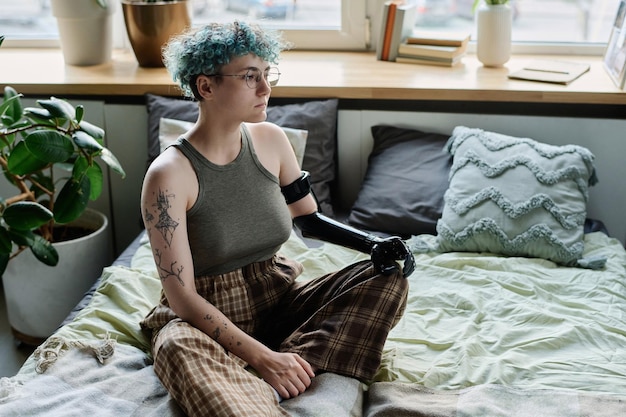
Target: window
(309, 24)
(27, 20)
(570, 26)
(319, 24)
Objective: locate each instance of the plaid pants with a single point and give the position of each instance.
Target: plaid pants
(338, 323)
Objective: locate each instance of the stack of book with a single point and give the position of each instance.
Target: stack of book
(397, 24)
(433, 49)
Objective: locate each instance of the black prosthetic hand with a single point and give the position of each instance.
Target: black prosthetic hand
(384, 251)
(387, 251)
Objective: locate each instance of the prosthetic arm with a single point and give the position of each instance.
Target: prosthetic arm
(384, 251)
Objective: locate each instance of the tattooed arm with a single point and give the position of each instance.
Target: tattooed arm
(167, 194)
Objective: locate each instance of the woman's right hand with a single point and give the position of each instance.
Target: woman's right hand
(287, 372)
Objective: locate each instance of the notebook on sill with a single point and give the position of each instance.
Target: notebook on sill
(560, 72)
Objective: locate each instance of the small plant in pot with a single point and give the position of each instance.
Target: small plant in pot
(491, 2)
(37, 143)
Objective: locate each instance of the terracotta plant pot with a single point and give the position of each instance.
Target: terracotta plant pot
(150, 26)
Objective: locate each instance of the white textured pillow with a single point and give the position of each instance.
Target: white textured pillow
(515, 196)
(172, 129)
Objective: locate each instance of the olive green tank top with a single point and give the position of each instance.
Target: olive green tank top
(240, 215)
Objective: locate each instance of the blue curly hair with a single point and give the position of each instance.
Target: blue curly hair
(206, 49)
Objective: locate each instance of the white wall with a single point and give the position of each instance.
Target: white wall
(127, 137)
(603, 137)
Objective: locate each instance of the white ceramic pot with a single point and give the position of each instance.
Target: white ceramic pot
(85, 30)
(493, 41)
(39, 297)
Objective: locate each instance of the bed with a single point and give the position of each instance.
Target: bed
(494, 326)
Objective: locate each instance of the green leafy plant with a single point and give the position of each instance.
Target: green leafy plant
(49, 153)
(491, 2)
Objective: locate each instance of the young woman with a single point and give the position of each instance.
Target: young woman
(233, 322)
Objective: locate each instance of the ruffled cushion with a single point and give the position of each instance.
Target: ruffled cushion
(515, 197)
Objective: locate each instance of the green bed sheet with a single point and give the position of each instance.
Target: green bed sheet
(471, 318)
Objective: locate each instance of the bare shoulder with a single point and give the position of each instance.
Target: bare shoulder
(265, 130)
(171, 171)
(268, 135)
(169, 164)
(274, 151)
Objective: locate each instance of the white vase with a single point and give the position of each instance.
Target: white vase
(39, 297)
(493, 42)
(85, 30)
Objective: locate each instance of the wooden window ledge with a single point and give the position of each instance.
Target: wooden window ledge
(345, 75)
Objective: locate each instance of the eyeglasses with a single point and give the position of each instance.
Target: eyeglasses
(253, 76)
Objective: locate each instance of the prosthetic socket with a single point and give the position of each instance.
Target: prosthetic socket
(384, 251)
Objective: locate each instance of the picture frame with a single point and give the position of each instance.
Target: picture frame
(615, 53)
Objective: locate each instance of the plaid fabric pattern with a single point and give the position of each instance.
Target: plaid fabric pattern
(205, 380)
(267, 281)
(338, 323)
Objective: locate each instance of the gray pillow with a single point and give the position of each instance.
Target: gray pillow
(318, 117)
(515, 197)
(170, 108)
(407, 175)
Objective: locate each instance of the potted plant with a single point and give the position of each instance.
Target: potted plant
(151, 23)
(85, 30)
(493, 32)
(49, 155)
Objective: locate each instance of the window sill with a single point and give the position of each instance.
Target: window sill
(346, 75)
